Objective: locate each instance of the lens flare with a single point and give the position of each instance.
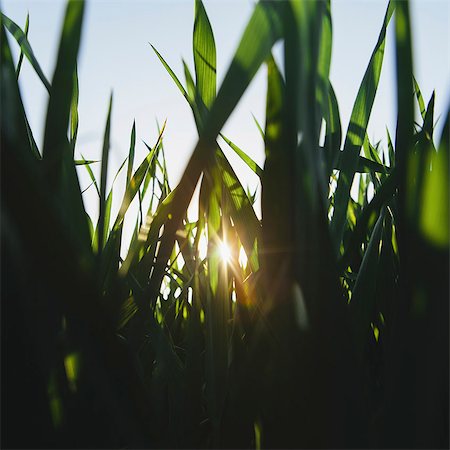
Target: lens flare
(225, 252)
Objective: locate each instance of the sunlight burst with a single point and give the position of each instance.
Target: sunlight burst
(225, 252)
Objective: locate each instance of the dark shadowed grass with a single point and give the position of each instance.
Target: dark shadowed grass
(324, 324)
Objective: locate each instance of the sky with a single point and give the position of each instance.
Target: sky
(115, 55)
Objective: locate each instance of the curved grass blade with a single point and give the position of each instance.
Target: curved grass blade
(87, 188)
(13, 124)
(33, 145)
(25, 47)
(27, 27)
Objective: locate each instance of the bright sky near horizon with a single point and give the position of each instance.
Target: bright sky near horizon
(115, 55)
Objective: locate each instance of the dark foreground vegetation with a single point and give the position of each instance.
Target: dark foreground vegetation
(326, 325)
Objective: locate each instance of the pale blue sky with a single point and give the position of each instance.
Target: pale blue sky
(115, 55)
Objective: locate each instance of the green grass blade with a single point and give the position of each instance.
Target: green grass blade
(131, 152)
(276, 193)
(14, 130)
(333, 136)
(136, 181)
(419, 97)
(74, 111)
(204, 49)
(356, 132)
(368, 216)
(19, 64)
(167, 189)
(103, 179)
(324, 62)
(363, 297)
(171, 73)
(249, 161)
(251, 53)
(84, 162)
(261, 131)
(404, 154)
(58, 163)
(89, 171)
(190, 84)
(62, 90)
(25, 48)
(433, 219)
(247, 225)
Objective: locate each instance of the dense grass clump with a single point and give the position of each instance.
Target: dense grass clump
(324, 324)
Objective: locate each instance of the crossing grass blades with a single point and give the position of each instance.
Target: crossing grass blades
(323, 324)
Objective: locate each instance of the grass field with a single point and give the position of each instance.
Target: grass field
(325, 324)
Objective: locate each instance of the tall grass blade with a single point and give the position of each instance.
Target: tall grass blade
(102, 234)
(356, 132)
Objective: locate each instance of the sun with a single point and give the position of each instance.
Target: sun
(225, 252)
